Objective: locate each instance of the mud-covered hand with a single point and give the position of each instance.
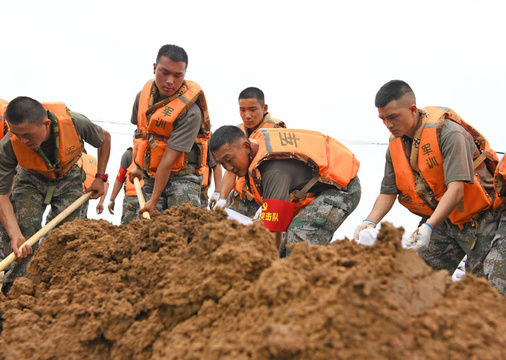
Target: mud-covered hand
(420, 239)
(214, 199)
(111, 206)
(365, 224)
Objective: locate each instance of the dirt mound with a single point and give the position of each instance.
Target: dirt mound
(192, 285)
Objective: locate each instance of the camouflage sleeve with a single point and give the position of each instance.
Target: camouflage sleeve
(8, 163)
(89, 132)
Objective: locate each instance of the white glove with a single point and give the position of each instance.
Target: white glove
(421, 238)
(214, 198)
(365, 224)
(221, 203)
(258, 214)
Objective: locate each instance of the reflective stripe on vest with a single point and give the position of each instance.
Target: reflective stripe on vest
(413, 185)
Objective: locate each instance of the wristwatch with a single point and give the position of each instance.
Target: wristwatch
(101, 176)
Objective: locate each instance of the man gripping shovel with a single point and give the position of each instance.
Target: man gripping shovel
(42, 148)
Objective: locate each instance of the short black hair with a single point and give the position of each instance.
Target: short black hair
(225, 135)
(174, 52)
(392, 90)
(253, 93)
(24, 109)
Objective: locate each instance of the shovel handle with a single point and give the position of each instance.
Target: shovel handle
(140, 197)
(47, 228)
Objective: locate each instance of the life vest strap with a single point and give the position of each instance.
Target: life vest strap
(302, 194)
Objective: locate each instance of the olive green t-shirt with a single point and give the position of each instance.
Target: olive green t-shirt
(89, 132)
(458, 151)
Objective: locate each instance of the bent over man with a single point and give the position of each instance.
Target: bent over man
(253, 110)
(305, 181)
(442, 169)
(47, 141)
(173, 126)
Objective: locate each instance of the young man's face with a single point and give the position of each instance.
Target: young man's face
(169, 75)
(400, 117)
(252, 112)
(32, 135)
(234, 156)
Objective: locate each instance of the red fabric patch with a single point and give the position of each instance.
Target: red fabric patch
(121, 175)
(277, 214)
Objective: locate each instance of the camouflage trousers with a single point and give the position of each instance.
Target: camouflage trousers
(130, 209)
(204, 199)
(245, 207)
(319, 220)
(30, 196)
(178, 191)
(480, 240)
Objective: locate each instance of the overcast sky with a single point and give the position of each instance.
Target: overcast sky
(320, 64)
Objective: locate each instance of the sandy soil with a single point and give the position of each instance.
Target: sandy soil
(192, 285)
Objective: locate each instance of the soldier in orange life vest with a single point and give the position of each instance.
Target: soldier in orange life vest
(305, 181)
(47, 141)
(253, 111)
(170, 145)
(442, 169)
(130, 202)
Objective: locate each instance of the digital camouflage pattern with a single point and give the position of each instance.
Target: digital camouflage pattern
(449, 244)
(319, 220)
(245, 207)
(130, 210)
(204, 199)
(178, 191)
(29, 197)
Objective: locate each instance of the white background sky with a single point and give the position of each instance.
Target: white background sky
(320, 64)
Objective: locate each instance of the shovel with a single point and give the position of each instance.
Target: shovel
(140, 197)
(42, 232)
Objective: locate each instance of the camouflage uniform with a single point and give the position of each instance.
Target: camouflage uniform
(30, 195)
(130, 209)
(319, 220)
(245, 207)
(495, 263)
(449, 244)
(204, 199)
(178, 191)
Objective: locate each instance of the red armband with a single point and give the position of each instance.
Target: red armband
(277, 214)
(121, 175)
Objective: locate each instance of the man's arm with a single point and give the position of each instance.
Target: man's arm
(217, 176)
(103, 153)
(161, 178)
(453, 195)
(382, 206)
(100, 205)
(11, 226)
(227, 184)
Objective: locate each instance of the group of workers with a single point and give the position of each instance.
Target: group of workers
(301, 184)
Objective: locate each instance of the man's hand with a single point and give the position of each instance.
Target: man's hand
(149, 207)
(421, 238)
(214, 199)
(221, 203)
(366, 224)
(135, 173)
(100, 208)
(98, 187)
(24, 251)
(258, 214)
(111, 206)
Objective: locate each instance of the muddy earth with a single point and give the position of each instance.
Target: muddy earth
(190, 284)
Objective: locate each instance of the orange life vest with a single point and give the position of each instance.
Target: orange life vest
(89, 164)
(331, 162)
(69, 147)
(429, 160)
(500, 185)
(155, 124)
(268, 122)
(3, 125)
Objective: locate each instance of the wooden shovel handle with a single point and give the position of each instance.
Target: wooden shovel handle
(47, 228)
(140, 197)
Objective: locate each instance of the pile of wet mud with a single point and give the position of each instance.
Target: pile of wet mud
(191, 284)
